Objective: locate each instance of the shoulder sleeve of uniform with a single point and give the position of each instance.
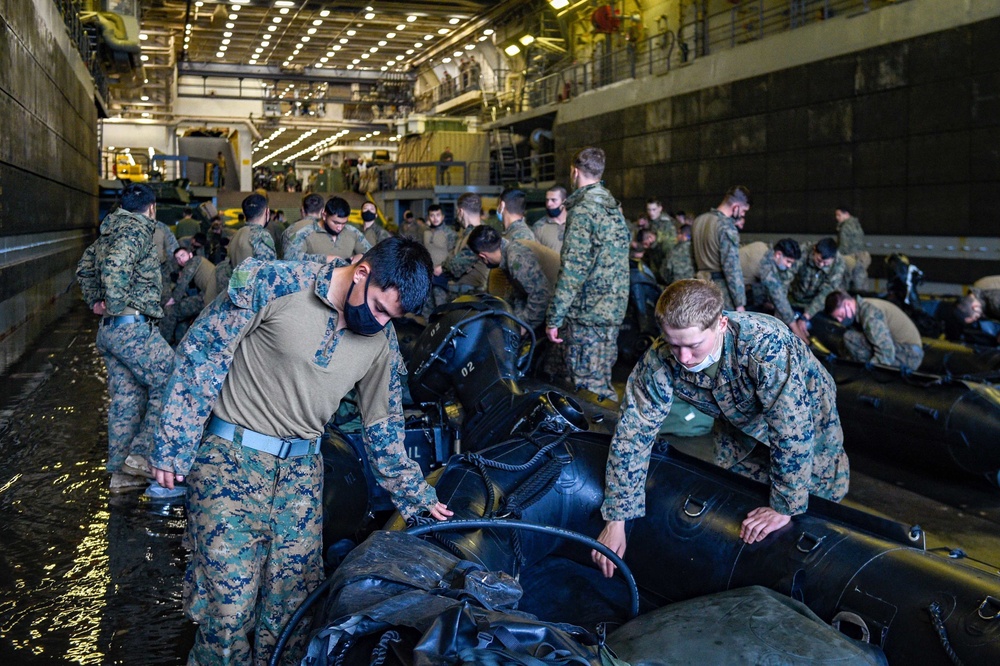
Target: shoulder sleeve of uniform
(263, 246)
(381, 402)
(361, 244)
(876, 330)
(646, 403)
(255, 283)
(86, 275)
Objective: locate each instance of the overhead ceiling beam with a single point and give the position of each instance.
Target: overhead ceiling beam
(332, 75)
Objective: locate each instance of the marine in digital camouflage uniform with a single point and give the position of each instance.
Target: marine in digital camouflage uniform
(774, 404)
(252, 240)
(768, 288)
(680, 265)
(311, 211)
(332, 236)
(591, 295)
(851, 245)
(440, 240)
(887, 335)
(119, 275)
(531, 269)
(466, 273)
(194, 270)
(519, 230)
(254, 519)
(373, 232)
(820, 272)
(658, 256)
(715, 241)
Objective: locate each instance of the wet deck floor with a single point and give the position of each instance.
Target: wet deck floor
(89, 578)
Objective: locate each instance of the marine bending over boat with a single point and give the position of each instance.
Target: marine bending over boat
(774, 405)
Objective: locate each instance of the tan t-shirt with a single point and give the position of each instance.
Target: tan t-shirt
(292, 390)
(345, 245)
(901, 327)
(705, 242)
(204, 279)
(751, 255)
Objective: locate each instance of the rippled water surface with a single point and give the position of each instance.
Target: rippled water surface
(85, 577)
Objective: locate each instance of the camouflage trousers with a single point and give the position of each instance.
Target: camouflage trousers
(588, 353)
(828, 474)
(255, 531)
(859, 349)
(184, 309)
(139, 363)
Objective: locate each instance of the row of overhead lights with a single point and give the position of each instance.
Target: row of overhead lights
(274, 135)
(286, 147)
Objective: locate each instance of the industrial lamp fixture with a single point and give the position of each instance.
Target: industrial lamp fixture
(558, 4)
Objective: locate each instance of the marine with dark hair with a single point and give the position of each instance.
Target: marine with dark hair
(311, 212)
(196, 286)
(551, 230)
(680, 265)
(251, 240)
(768, 275)
(819, 273)
(592, 291)
(531, 269)
(330, 239)
(511, 209)
(715, 239)
(374, 232)
(876, 330)
(462, 264)
(310, 333)
(439, 239)
(774, 406)
(119, 275)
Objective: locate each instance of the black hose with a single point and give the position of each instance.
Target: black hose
(935, 610)
(483, 523)
(297, 616)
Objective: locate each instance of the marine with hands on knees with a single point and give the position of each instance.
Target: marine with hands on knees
(774, 405)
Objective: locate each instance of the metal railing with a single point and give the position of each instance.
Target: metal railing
(81, 38)
(657, 55)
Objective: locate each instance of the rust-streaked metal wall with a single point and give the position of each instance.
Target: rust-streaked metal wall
(48, 170)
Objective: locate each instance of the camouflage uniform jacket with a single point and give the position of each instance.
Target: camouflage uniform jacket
(875, 325)
(345, 245)
(518, 230)
(811, 285)
(202, 272)
(680, 265)
(533, 287)
(376, 233)
(850, 236)
(251, 241)
(775, 282)
(769, 387)
(261, 296)
(293, 229)
(713, 233)
(549, 233)
(666, 236)
(462, 258)
(440, 242)
(594, 281)
(121, 267)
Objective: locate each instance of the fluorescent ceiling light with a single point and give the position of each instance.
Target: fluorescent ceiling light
(512, 50)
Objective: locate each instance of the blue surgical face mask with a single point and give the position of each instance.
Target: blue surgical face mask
(359, 318)
(499, 215)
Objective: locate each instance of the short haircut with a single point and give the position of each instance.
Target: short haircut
(789, 247)
(688, 304)
(514, 200)
(654, 200)
(369, 203)
(686, 230)
(337, 207)
(471, 202)
(433, 208)
(834, 300)
(846, 209)
(590, 161)
(181, 249)
(402, 264)
(738, 195)
(827, 247)
(254, 206)
(312, 204)
(964, 307)
(644, 232)
(484, 238)
(137, 197)
(407, 213)
(560, 189)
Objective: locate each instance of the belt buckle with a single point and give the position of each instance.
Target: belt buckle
(284, 449)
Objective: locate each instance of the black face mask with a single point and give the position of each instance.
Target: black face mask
(553, 212)
(368, 216)
(847, 322)
(359, 318)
